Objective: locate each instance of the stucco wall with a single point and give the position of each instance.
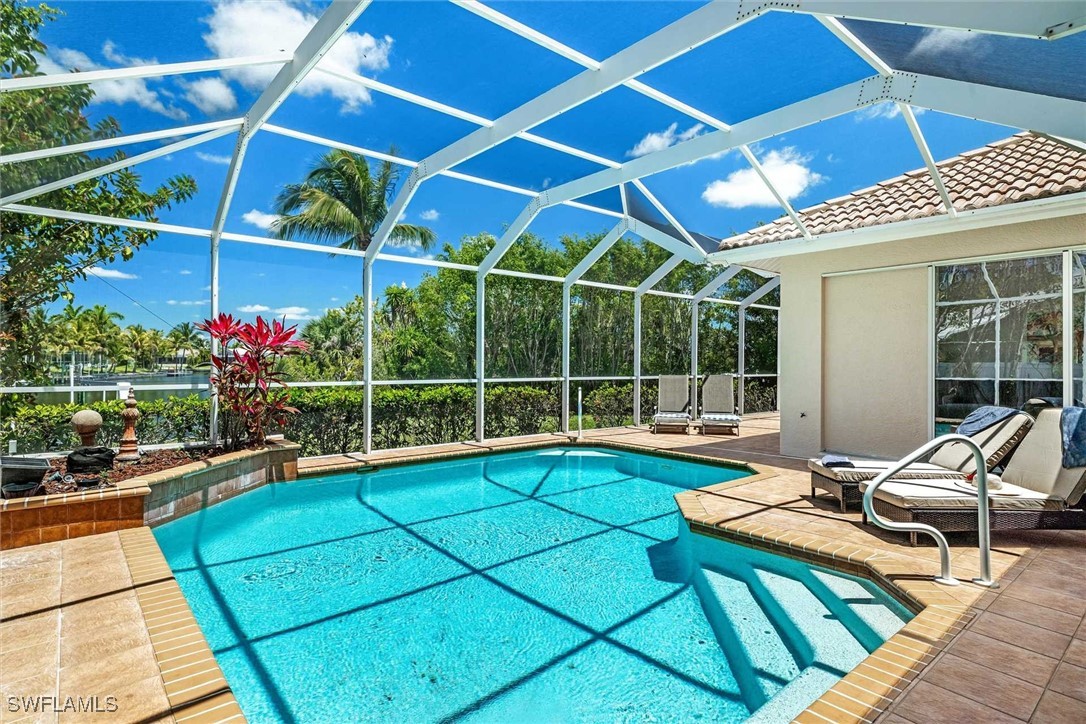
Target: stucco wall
(831, 400)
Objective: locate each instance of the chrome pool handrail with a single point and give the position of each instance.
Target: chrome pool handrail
(984, 545)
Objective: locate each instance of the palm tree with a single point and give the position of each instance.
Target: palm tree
(184, 339)
(343, 202)
(101, 326)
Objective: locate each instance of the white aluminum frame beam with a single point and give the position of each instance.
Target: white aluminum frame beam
(117, 165)
(694, 29)
(638, 86)
(118, 141)
(929, 161)
(695, 317)
(998, 105)
(448, 110)
(55, 80)
(399, 160)
(871, 58)
(593, 256)
(663, 210)
(1023, 18)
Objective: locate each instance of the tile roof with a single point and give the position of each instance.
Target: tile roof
(1020, 168)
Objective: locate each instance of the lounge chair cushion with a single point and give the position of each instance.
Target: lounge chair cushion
(954, 494)
(720, 418)
(871, 469)
(667, 417)
(997, 442)
(1036, 464)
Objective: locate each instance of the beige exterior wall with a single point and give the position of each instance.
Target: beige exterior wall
(854, 349)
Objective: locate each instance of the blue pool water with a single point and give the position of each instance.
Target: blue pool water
(543, 586)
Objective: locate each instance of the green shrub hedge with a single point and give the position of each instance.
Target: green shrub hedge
(332, 419)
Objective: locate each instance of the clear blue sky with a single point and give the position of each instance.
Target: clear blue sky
(448, 54)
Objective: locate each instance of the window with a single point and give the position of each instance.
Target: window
(999, 333)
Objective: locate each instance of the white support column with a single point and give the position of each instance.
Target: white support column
(594, 255)
(1068, 330)
(637, 359)
(563, 414)
(694, 318)
(335, 21)
(742, 311)
(925, 153)
(480, 355)
(367, 355)
(653, 279)
(743, 306)
(695, 303)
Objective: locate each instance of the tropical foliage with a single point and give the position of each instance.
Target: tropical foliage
(42, 256)
(244, 372)
(93, 340)
(343, 201)
(428, 332)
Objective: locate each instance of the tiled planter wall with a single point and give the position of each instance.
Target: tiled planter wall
(146, 500)
(48, 518)
(188, 488)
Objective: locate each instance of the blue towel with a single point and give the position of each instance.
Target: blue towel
(984, 417)
(837, 461)
(1073, 427)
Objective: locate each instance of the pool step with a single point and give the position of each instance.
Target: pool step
(760, 660)
(828, 642)
(876, 617)
(790, 635)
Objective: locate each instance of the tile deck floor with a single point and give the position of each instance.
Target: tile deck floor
(102, 614)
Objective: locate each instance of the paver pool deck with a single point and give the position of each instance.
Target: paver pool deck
(102, 616)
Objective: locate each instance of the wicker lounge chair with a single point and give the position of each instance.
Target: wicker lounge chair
(718, 405)
(951, 462)
(1036, 493)
(673, 406)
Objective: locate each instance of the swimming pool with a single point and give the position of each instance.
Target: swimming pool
(548, 585)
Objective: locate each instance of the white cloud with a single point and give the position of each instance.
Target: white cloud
(259, 218)
(238, 27)
(185, 272)
(660, 140)
(213, 158)
(294, 314)
(97, 271)
(188, 302)
(787, 169)
(889, 109)
(211, 95)
(253, 308)
(940, 41)
(430, 215)
(126, 90)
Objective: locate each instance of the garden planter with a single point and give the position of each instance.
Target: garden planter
(22, 470)
(19, 490)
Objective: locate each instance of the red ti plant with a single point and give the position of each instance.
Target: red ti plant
(244, 370)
